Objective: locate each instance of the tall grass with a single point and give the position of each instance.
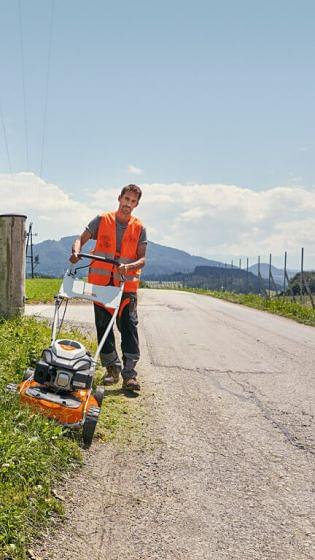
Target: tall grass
(34, 453)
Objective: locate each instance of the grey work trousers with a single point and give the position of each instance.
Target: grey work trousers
(127, 323)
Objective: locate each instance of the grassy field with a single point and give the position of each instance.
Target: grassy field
(35, 452)
(41, 290)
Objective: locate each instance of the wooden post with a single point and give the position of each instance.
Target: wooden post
(302, 275)
(12, 264)
(284, 272)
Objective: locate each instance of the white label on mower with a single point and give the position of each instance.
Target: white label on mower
(78, 287)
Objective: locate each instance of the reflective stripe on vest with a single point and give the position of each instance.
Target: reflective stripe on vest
(101, 273)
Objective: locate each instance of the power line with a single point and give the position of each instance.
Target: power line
(6, 139)
(29, 253)
(47, 85)
(23, 84)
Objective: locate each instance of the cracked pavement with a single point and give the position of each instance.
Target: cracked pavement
(224, 470)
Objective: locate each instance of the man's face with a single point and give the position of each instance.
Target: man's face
(127, 202)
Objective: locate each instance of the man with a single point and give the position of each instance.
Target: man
(121, 236)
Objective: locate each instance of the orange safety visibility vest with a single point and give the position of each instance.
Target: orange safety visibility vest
(104, 273)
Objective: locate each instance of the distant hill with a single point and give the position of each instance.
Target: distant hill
(53, 259)
(218, 278)
(167, 260)
(277, 273)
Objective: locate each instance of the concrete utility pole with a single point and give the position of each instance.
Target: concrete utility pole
(12, 264)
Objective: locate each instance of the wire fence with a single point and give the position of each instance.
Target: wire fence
(262, 278)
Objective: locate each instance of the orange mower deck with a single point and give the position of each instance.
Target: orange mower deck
(67, 409)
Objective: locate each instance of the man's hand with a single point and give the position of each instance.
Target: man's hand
(74, 257)
(77, 246)
(122, 269)
(139, 263)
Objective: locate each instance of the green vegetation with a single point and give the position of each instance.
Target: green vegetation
(121, 419)
(41, 290)
(35, 452)
(295, 283)
(279, 306)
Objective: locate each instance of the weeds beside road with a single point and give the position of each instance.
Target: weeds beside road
(35, 453)
(278, 306)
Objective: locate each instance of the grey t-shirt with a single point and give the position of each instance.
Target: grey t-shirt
(93, 226)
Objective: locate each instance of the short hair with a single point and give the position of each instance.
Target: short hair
(132, 188)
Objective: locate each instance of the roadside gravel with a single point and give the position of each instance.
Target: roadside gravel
(222, 467)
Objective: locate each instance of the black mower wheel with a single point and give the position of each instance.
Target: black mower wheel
(99, 394)
(90, 425)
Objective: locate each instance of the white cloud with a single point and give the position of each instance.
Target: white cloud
(212, 220)
(54, 213)
(134, 170)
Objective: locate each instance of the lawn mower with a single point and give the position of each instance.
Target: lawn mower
(60, 384)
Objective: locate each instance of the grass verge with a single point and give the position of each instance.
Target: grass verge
(41, 290)
(35, 452)
(278, 306)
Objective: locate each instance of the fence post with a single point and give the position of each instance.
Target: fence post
(247, 286)
(284, 272)
(302, 275)
(288, 280)
(12, 264)
(269, 280)
(259, 287)
(304, 282)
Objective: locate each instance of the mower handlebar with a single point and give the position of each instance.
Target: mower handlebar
(97, 258)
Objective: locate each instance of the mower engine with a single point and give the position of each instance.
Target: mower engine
(65, 366)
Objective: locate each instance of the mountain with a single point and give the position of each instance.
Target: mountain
(277, 273)
(218, 278)
(53, 259)
(167, 260)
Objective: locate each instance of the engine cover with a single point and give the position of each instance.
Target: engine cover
(65, 366)
(68, 354)
(68, 349)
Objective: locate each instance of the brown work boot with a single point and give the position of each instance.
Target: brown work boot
(112, 374)
(131, 384)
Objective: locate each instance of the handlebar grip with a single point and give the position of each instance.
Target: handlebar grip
(98, 258)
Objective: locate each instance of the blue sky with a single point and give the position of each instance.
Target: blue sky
(189, 91)
(204, 103)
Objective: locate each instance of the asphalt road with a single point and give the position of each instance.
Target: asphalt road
(229, 472)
